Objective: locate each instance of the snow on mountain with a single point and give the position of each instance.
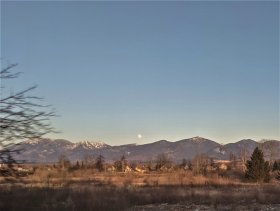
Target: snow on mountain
(91, 145)
(66, 144)
(198, 139)
(35, 141)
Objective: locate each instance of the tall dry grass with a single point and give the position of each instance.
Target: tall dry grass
(57, 177)
(86, 189)
(86, 197)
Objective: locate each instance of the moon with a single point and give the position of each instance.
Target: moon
(139, 136)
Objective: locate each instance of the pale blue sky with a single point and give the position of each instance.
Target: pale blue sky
(166, 70)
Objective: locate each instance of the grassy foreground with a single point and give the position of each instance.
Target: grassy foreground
(128, 191)
(121, 198)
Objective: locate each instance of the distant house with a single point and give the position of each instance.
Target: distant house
(141, 169)
(111, 168)
(127, 169)
(222, 164)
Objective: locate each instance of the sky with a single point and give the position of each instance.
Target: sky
(138, 72)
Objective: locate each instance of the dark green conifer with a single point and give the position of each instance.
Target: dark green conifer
(99, 163)
(276, 165)
(257, 168)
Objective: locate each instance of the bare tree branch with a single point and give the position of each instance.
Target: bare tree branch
(22, 117)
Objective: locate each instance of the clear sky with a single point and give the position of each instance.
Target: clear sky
(138, 72)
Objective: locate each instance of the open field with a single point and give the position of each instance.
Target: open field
(178, 190)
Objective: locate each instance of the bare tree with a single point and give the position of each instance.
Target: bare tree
(233, 160)
(200, 163)
(121, 164)
(89, 161)
(162, 160)
(244, 155)
(22, 117)
(64, 162)
(270, 149)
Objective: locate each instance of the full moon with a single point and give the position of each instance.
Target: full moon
(139, 136)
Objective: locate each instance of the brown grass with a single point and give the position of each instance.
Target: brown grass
(58, 177)
(90, 197)
(56, 189)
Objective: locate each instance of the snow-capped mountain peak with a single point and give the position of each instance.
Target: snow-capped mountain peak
(91, 144)
(198, 139)
(35, 141)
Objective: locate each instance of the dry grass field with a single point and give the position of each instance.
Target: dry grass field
(87, 189)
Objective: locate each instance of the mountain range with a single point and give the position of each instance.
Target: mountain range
(48, 151)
